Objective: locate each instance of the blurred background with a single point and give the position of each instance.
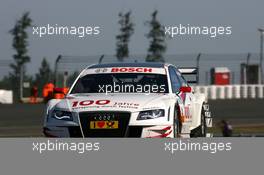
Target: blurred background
(35, 69)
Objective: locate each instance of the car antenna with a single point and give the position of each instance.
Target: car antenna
(101, 59)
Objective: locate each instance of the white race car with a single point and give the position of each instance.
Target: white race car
(148, 100)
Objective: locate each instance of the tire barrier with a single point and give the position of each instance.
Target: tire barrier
(214, 92)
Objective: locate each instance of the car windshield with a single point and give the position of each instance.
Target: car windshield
(121, 83)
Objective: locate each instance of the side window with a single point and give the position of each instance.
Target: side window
(181, 79)
(175, 84)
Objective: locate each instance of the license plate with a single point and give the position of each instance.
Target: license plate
(103, 124)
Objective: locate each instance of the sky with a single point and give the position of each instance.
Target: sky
(244, 16)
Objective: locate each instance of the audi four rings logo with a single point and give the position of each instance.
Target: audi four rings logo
(101, 70)
(106, 117)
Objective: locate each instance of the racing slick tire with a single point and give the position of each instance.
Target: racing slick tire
(201, 130)
(176, 123)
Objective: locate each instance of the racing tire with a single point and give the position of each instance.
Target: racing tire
(201, 130)
(176, 122)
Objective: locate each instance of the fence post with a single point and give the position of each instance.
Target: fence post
(55, 70)
(21, 81)
(198, 67)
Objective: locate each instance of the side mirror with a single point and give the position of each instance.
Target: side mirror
(185, 89)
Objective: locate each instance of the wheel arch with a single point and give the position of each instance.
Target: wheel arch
(200, 99)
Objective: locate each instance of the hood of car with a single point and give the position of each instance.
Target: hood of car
(113, 102)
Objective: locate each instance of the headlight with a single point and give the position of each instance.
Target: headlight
(151, 114)
(62, 115)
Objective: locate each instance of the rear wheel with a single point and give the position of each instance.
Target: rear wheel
(201, 130)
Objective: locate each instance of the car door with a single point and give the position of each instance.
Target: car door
(175, 86)
(186, 96)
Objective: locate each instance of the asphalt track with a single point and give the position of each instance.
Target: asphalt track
(21, 120)
(25, 120)
(238, 111)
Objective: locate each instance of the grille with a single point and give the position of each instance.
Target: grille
(121, 117)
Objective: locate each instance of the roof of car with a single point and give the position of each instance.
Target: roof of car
(149, 64)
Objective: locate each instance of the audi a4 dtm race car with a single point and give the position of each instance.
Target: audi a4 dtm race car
(148, 100)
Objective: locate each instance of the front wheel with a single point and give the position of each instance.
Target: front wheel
(177, 125)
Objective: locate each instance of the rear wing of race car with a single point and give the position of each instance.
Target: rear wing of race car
(190, 74)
